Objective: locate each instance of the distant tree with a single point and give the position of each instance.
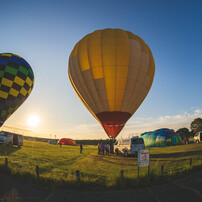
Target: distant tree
(196, 125)
(183, 132)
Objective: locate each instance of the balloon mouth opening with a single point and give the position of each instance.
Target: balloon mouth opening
(113, 122)
(113, 129)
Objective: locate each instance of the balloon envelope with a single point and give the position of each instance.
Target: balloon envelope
(111, 71)
(161, 137)
(16, 83)
(66, 141)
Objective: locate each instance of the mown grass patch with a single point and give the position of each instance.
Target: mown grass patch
(58, 165)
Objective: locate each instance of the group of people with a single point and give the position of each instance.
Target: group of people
(102, 148)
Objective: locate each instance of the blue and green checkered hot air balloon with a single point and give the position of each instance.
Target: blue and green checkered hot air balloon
(16, 83)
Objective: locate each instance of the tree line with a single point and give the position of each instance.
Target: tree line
(195, 126)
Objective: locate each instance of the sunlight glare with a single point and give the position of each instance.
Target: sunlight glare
(33, 121)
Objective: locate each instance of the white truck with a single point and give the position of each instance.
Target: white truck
(198, 137)
(11, 139)
(129, 146)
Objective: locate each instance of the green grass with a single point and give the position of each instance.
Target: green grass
(58, 165)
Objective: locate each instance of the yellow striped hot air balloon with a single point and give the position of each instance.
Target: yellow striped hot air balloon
(111, 71)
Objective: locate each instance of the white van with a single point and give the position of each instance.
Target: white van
(11, 139)
(198, 137)
(129, 146)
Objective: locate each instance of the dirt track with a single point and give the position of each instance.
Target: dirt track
(186, 189)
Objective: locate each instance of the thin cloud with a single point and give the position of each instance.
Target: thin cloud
(168, 121)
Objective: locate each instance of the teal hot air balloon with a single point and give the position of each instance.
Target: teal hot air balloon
(16, 83)
(161, 137)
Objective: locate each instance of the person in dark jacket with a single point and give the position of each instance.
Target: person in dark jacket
(102, 148)
(107, 149)
(81, 148)
(98, 147)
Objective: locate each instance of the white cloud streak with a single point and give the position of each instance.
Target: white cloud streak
(168, 121)
(136, 126)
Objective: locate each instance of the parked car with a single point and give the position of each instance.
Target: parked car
(52, 141)
(129, 146)
(198, 137)
(11, 139)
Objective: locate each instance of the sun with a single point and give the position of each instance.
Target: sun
(33, 121)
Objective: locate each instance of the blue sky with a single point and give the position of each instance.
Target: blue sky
(45, 32)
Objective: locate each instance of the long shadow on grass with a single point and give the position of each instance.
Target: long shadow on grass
(177, 154)
(6, 151)
(101, 184)
(152, 179)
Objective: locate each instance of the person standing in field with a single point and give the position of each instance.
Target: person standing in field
(186, 140)
(81, 148)
(102, 148)
(111, 146)
(107, 149)
(98, 147)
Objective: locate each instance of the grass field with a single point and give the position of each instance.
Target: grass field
(58, 165)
